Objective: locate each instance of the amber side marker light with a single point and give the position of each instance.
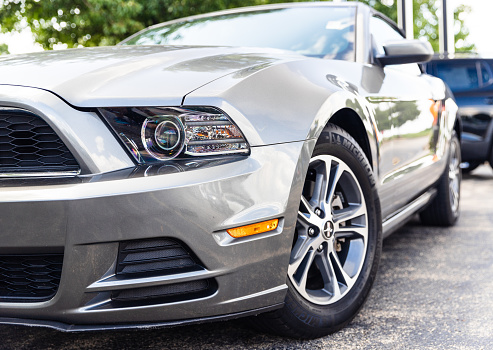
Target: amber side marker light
(253, 229)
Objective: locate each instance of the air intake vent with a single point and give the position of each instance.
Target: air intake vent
(167, 291)
(155, 256)
(29, 145)
(29, 278)
(159, 257)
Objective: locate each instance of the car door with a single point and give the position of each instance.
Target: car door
(414, 119)
(372, 80)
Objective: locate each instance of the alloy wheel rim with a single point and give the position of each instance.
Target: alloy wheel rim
(454, 177)
(331, 233)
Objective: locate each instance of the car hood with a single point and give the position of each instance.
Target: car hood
(132, 75)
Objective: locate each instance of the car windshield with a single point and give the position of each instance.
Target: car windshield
(326, 32)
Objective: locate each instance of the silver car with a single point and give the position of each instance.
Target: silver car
(240, 163)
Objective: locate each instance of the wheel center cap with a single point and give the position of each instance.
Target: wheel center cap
(328, 231)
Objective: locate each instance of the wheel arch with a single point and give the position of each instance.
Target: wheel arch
(351, 122)
(355, 117)
(352, 113)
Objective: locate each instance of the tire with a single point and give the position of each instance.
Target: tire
(444, 209)
(337, 243)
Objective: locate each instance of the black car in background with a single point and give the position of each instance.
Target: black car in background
(471, 81)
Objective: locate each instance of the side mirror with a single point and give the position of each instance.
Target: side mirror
(406, 51)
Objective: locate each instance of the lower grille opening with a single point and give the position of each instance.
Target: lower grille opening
(160, 256)
(166, 293)
(29, 278)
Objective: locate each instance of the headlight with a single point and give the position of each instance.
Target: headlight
(162, 133)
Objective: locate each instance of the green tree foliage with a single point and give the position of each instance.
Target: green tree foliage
(106, 22)
(461, 44)
(100, 22)
(426, 20)
(4, 49)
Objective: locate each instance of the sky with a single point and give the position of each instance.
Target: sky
(20, 43)
(478, 21)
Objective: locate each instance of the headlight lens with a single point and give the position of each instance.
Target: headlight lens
(162, 133)
(162, 136)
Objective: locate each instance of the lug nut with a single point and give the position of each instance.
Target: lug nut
(319, 249)
(312, 232)
(318, 212)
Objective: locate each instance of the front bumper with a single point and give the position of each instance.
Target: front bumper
(89, 220)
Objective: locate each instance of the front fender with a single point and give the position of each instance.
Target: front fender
(289, 102)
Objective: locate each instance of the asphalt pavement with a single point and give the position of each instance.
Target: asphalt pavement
(434, 291)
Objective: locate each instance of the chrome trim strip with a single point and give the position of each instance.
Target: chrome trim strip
(40, 174)
(280, 288)
(113, 283)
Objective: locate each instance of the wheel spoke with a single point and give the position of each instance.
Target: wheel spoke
(303, 246)
(308, 207)
(319, 196)
(299, 269)
(306, 268)
(308, 218)
(454, 178)
(331, 286)
(351, 212)
(305, 220)
(453, 173)
(454, 196)
(339, 270)
(334, 180)
(351, 232)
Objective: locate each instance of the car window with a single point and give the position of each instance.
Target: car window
(326, 32)
(382, 32)
(485, 74)
(459, 76)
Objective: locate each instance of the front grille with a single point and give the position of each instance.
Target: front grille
(159, 257)
(29, 278)
(28, 144)
(155, 256)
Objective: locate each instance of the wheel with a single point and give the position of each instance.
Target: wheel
(444, 209)
(337, 243)
(471, 167)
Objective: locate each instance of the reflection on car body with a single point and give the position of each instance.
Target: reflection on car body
(201, 171)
